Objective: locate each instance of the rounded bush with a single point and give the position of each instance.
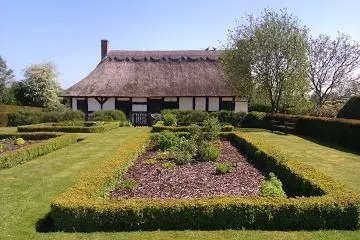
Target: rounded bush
(19, 141)
(24, 117)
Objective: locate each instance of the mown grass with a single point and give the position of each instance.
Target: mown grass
(338, 163)
(26, 191)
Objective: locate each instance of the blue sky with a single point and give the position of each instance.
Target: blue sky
(69, 32)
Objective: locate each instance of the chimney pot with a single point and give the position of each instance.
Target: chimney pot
(104, 48)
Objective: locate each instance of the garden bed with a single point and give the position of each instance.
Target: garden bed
(9, 144)
(196, 179)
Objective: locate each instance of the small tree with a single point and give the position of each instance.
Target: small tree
(41, 86)
(332, 65)
(6, 76)
(268, 53)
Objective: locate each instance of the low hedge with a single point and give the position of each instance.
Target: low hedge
(159, 127)
(338, 131)
(4, 119)
(85, 207)
(48, 127)
(351, 109)
(30, 136)
(29, 152)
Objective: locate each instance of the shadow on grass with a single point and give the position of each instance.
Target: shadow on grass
(45, 224)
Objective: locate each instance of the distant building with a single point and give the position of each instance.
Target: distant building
(149, 81)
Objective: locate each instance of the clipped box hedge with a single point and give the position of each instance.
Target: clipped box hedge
(159, 127)
(338, 131)
(29, 152)
(326, 204)
(49, 127)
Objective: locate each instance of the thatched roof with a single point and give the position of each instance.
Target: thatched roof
(154, 74)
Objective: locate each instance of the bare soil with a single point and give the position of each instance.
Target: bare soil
(196, 179)
(7, 145)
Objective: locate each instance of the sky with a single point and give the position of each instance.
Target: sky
(68, 33)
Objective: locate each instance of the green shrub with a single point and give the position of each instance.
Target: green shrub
(180, 157)
(229, 117)
(108, 115)
(351, 109)
(187, 117)
(24, 117)
(170, 119)
(272, 187)
(19, 141)
(60, 116)
(161, 155)
(168, 165)
(211, 129)
(128, 184)
(166, 140)
(30, 136)
(29, 152)
(258, 107)
(150, 161)
(255, 120)
(208, 152)
(222, 168)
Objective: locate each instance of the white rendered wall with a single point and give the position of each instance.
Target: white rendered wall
(186, 103)
(139, 99)
(213, 104)
(74, 103)
(170, 99)
(241, 106)
(139, 108)
(93, 105)
(200, 103)
(109, 104)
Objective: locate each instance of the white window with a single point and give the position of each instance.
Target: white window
(200, 103)
(186, 103)
(139, 108)
(139, 100)
(109, 104)
(213, 104)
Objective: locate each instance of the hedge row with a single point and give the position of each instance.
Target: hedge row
(3, 119)
(31, 136)
(333, 207)
(351, 109)
(159, 127)
(48, 127)
(338, 131)
(27, 153)
(187, 117)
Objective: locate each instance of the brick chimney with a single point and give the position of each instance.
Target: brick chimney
(104, 48)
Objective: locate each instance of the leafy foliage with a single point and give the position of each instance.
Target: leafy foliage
(166, 140)
(170, 119)
(109, 115)
(24, 117)
(19, 141)
(211, 129)
(272, 187)
(208, 151)
(168, 165)
(222, 168)
(6, 75)
(269, 53)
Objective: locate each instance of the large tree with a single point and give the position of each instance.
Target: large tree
(268, 53)
(333, 65)
(6, 76)
(41, 86)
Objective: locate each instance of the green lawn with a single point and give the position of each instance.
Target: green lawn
(341, 165)
(26, 191)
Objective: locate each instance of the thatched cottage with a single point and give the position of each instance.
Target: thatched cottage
(149, 81)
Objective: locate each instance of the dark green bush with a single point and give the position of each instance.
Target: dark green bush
(258, 107)
(166, 140)
(255, 120)
(108, 115)
(272, 187)
(222, 168)
(351, 109)
(49, 127)
(170, 119)
(229, 117)
(159, 127)
(208, 151)
(24, 117)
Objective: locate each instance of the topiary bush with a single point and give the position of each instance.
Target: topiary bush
(272, 187)
(109, 115)
(351, 109)
(208, 152)
(19, 141)
(170, 119)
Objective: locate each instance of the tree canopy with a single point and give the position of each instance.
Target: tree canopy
(6, 76)
(268, 53)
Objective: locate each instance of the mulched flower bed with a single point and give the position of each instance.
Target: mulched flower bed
(7, 145)
(197, 179)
